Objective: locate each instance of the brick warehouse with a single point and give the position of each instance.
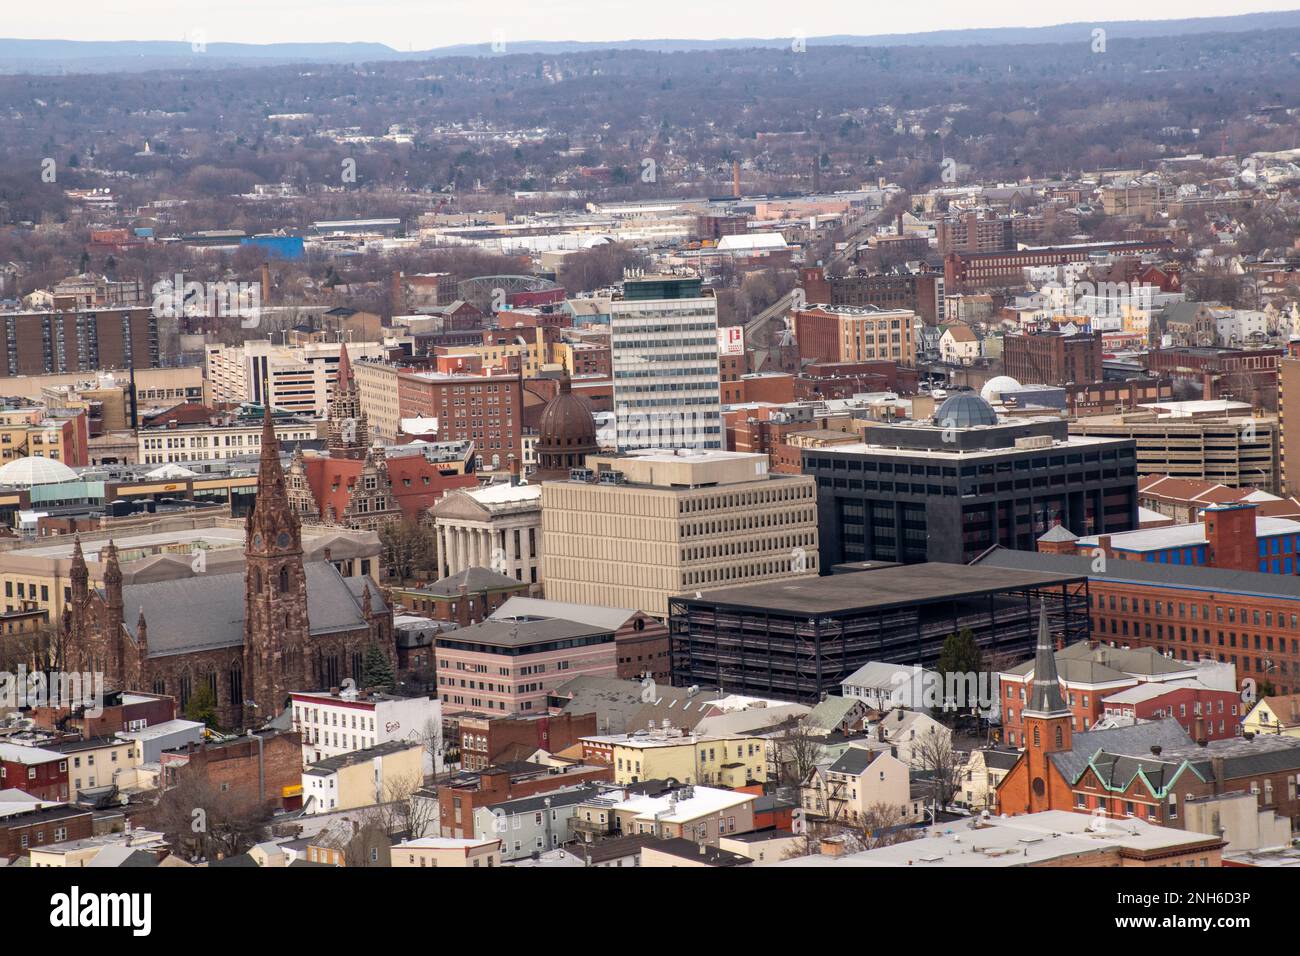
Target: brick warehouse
(799, 639)
(266, 768)
(1244, 618)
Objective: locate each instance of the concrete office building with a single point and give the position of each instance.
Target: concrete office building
(664, 352)
(633, 531)
(950, 487)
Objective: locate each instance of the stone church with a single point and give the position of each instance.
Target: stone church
(252, 637)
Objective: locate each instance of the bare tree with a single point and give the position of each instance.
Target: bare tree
(933, 754)
(408, 548)
(404, 810)
(884, 824)
(200, 820)
(797, 753)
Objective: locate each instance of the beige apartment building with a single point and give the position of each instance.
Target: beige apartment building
(644, 528)
(377, 389)
(298, 378)
(217, 439)
(154, 387)
(448, 851)
(1221, 441)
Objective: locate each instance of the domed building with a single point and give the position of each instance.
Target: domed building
(566, 435)
(964, 410)
(25, 472)
(994, 387)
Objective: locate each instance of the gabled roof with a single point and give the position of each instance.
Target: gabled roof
(855, 760)
(829, 713)
(1136, 739)
(206, 612)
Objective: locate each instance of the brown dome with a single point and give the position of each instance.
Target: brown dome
(566, 434)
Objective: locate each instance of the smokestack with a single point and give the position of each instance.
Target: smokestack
(266, 283)
(735, 178)
(395, 292)
(513, 464)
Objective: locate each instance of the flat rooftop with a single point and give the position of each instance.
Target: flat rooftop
(1183, 535)
(1025, 840)
(1074, 442)
(885, 587)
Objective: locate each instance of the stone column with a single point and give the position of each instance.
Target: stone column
(458, 548)
(511, 556)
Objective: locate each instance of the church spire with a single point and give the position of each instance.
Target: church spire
(1045, 698)
(349, 431)
(271, 526)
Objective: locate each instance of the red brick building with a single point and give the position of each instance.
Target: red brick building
(1244, 618)
(1087, 675)
(458, 799)
(265, 768)
(487, 741)
(485, 409)
(19, 832)
(826, 380)
(984, 270)
(42, 773)
(121, 711)
(1154, 772)
(1052, 358)
(1206, 713)
(464, 598)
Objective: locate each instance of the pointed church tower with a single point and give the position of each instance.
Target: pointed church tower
(114, 616)
(1047, 720)
(349, 430)
(275, 591)
(79, 578)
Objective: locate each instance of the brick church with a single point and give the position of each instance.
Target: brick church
(1033, 783)
(281, 625)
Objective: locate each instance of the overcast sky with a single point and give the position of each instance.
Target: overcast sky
(423, 24)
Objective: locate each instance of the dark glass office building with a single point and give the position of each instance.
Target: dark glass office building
(951, 487)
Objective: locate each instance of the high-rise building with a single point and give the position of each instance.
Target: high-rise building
(43, 343)
(664, 351)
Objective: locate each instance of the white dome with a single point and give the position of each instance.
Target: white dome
(994, 387)
(169, 471)
(25, 472)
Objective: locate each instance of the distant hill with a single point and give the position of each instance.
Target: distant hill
(102, 56)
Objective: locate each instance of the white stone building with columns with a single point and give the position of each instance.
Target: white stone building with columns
(496, 526)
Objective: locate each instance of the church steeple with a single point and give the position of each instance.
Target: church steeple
(1045, 698)
(1048, 726)
(272, 527)
(275, 591)
(349, 430)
